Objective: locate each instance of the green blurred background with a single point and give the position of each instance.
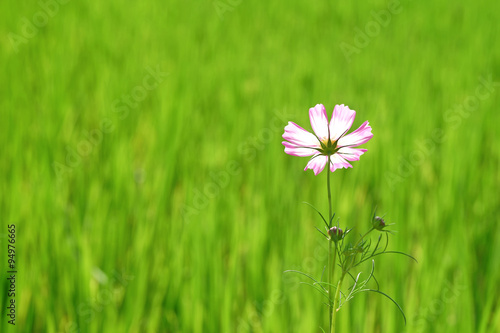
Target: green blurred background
(164, 202)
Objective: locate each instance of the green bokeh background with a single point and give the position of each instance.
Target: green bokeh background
(179, 211)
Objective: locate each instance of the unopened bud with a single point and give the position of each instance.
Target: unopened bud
(335, 234)
(378, 223)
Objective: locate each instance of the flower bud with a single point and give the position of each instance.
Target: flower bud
(378, 223)
(335, 234)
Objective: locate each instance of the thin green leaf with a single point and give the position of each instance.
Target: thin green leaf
(317, 211)
(323, 273)
(299, 272)
(354, 286)
(376, 281)
(376, 246)
(397, 252)
(332, 220)
(378, 291)
(327, 284)
(387, 241)
(322, 232)
(318, 289)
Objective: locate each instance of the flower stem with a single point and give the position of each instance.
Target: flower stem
(332, 274)
(329, 193)
(336, 302)
(359, 240)
(331, 256)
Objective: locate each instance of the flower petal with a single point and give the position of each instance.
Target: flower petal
(317, 164)
(358, 137)
(299, 136)
(338, 162)
(342, 119)
(319, 121)
(294, 150)
(351, 154)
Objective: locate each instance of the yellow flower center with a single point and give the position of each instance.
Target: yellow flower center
(328, 147)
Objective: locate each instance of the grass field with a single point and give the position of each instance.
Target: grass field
(143, 169)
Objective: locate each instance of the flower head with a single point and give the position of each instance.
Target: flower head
(378, 223)
(335, 234)
(329, 140)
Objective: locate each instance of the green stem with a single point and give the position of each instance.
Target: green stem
(331, 259)
(359, 240)
(329, 273)
(332, 274)
(329, 193)
(336, 302)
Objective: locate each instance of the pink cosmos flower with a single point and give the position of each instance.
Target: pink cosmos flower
(329, 139)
